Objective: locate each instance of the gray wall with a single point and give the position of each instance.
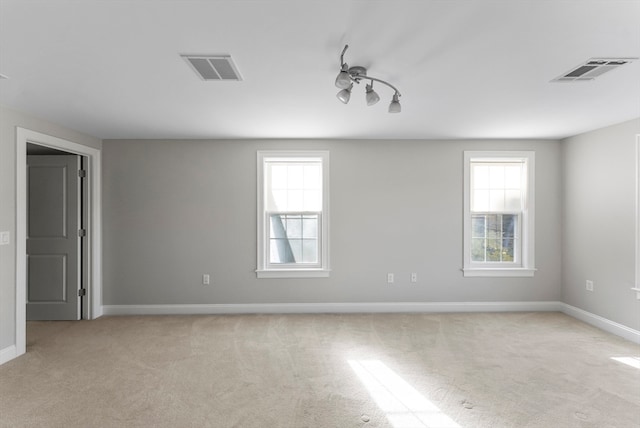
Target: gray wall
(599, 176)
(9, 120)
(174, 210)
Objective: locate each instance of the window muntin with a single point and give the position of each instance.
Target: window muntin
(293, 238)
(498, 232)
(292, 227)
(495, 238)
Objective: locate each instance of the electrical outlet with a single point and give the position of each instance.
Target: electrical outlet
(589, 285)
(414, 277)
(206, 279)
(389, 278)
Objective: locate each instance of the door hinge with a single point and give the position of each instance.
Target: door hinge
(82, 292)
(82, 173)
(82, 233)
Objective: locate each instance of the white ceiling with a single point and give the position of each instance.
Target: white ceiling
(465, 68)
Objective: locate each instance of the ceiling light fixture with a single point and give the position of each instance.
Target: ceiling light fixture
(350, 75)
(345, 94)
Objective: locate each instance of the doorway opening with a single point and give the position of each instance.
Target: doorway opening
(93, 265)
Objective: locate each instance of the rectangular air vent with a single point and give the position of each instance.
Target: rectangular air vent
(592, 68)
(213, 67)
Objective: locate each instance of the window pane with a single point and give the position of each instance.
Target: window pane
(278, 229)
(496, 177)
(480, 177)
(277, 200)
(496, 200)
(478, 223)
(494, 228)
(513, 177)
(509, 225)
(295, 177)
(480, 201)
(493, 250)
(280, 251)
(278, 176)
(477, 249)
(507, 250)
(310, 227)
(274, 254)
(313, 176)
(312, 200)
(513, 200)
(296, 249)
(294, 226)
(310, 251)
(294, 200)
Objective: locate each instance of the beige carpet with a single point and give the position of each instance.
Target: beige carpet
(366, 370)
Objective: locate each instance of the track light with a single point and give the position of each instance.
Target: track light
(343, 80)
(372, 96)
(350, 75)
(395, 106)
(345, 94)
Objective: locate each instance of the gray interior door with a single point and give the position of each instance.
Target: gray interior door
(53, 242)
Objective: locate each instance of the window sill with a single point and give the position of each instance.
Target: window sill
(498, 272)
(293, 273)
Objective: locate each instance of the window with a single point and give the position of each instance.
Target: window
(498, 214)
(293, 221)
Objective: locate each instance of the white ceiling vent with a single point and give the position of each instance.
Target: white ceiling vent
(213, 67)
(592, 68)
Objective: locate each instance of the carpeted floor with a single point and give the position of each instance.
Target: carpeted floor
(363, 370)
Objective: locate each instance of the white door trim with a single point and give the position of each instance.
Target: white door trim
(94, 162)
(637, 284)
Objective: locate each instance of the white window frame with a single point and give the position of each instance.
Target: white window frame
(525, 266)
(264, 268)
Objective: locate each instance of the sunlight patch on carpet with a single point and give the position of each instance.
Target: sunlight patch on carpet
(630, 361)
(404, 406)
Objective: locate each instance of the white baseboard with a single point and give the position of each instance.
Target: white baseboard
(315, 308)
(601, 323)
(8, 354)
(377, 307)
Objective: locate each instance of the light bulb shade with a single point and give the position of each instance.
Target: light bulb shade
(345, 94)
(395, 106)
(344, 79)
(372, 96)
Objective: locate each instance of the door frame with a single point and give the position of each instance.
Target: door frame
(94, 226)
(637, 279)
